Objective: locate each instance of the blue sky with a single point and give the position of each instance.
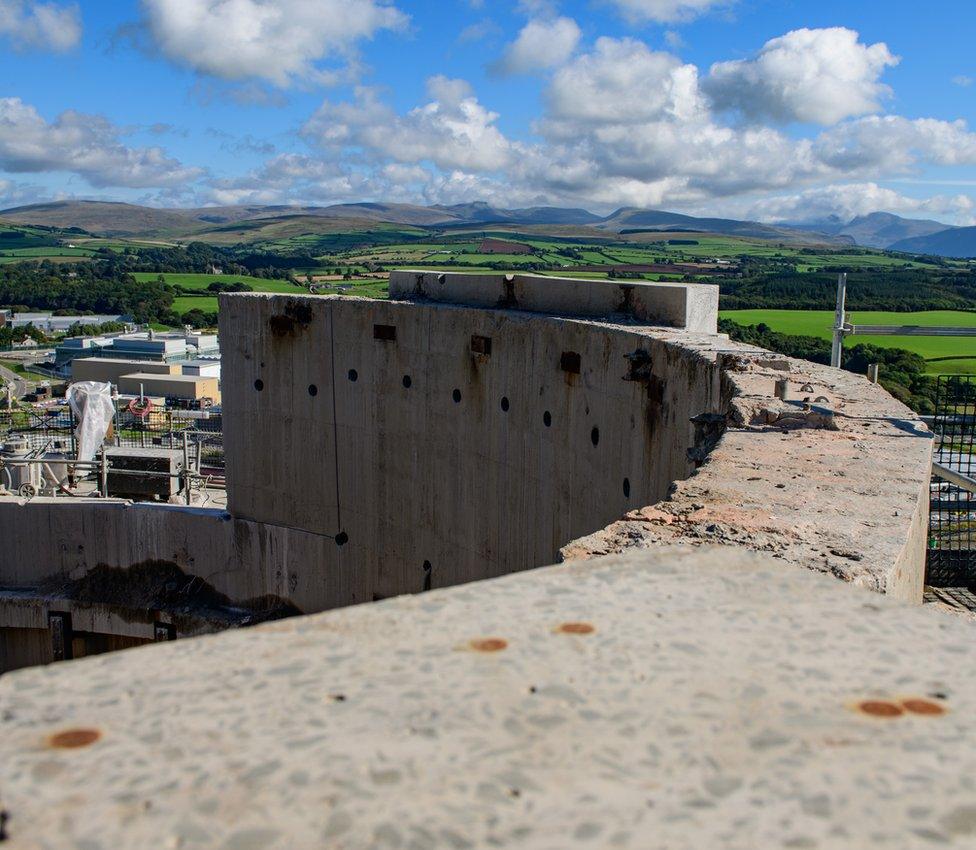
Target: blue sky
(788, 110)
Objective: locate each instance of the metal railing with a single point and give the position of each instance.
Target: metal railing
(158, 429)
(952, 517)
(103, 468)
(198, 434)
(842, 328)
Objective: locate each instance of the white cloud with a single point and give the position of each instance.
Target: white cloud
(452, 130)
(820, 76)
(849, 200)
(894, 145)
(279, 41)
(87, 145)
(540, 45)
(666, 11)
(479, 31)
(624, 82)
(963, 81)
(40, 25)
(622, 124)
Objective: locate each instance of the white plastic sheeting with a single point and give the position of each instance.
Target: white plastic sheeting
(92, 404)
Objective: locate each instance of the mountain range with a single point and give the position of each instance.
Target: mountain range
(251, 223)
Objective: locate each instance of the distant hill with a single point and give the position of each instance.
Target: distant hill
(104, 218)
(952, 242)
(882, 230)
(628, 218)
(252, 223)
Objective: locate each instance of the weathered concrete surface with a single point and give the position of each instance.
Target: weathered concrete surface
(691, 307)
(668, 698)
(841, 487)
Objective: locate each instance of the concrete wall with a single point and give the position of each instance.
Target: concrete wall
(409, 475)
(377, 448)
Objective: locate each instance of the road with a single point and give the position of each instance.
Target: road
(6, 377)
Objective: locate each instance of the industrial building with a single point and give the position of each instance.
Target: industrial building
(111, 369)
(150, 346)
(51, 324)
(171, 386)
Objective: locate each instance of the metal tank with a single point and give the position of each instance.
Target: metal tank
(22, 479)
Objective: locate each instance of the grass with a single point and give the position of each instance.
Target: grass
(185, 303)
(17, 367)
(362, 289)
(200, 282)
(944, 355)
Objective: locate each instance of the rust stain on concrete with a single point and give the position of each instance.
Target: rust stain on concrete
(73, 739)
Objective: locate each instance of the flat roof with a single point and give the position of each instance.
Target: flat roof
(139, 363)
(153, 376)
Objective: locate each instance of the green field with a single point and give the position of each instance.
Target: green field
(200, 282)
(945, 355)
(185, 303)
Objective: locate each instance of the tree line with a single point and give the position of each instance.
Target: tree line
(900, 290)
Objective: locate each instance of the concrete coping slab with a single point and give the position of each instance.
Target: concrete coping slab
(690, 306)
(673, 698)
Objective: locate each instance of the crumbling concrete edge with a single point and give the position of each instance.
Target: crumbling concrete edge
(789, 477)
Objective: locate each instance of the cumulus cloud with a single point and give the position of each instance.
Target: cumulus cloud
(624, 82)
(87, 145)
(540, 45)
(622, 124)
(453, 130)
(846, 201)
(40, 25)
(891, 144)
(666, 11)
(811, 75)
(278, 41)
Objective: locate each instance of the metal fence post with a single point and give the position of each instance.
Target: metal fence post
(103, 473)
(186, 467)
(837, 348)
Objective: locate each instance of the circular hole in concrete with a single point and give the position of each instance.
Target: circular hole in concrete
(259, 385)
(505, 403)
(595, 436)
(353, 375)
(627, 488)
(341, 538)
(407, 382)
(313, 390)
(547, 419)
(456, 395)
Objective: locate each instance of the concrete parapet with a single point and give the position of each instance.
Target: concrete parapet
(667, 698)
(690, 306)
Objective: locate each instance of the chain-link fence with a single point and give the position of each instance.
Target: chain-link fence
(952, 539)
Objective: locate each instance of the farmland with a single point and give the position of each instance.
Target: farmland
(942, 354)
(563, 254)
(200, 282)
